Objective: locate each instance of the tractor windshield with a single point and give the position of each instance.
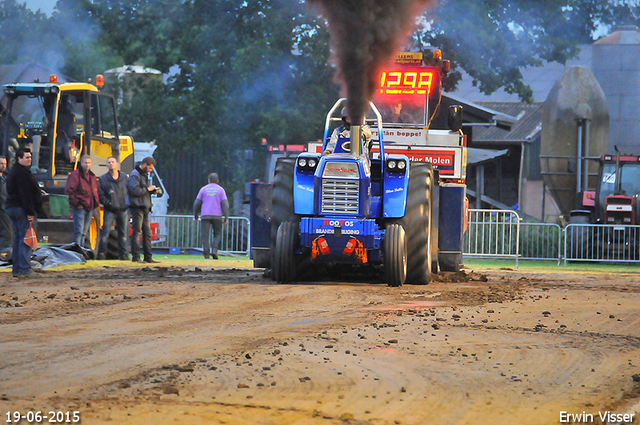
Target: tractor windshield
(30, 125)
(629, 178)
(49, 124)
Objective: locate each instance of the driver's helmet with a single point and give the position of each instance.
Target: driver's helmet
(345, 114)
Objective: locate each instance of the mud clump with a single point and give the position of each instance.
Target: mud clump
(459, 277)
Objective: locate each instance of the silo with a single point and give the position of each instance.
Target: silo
(616, 66)
(130, 78)
(575, 124)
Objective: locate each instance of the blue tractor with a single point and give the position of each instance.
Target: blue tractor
(350, 207)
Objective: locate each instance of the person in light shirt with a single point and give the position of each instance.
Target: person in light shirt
(210, 205)
(344, 132)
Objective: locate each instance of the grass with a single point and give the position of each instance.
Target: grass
(166, 260)
(552, 266)
(536, 266)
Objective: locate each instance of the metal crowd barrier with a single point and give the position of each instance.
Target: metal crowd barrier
(500, 234)
(492, 234)
(601, 242)
(541, 241)
(182, 231)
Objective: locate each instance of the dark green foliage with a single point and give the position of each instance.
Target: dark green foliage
(491, 40)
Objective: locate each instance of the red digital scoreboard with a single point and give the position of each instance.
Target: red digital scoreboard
(410, 83)
(403, 93)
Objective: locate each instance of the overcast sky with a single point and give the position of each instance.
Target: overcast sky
(45, 6)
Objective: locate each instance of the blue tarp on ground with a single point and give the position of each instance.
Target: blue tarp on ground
(50, 256)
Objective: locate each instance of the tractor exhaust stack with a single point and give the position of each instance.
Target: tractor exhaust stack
(356, 145)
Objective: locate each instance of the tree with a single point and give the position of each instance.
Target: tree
(493, 40)
(240, 72)
(79, 39)
(20, 31)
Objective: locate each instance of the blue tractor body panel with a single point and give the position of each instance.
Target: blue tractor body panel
(303, 185)
(395, 189)
(340, 199)
(341, 239)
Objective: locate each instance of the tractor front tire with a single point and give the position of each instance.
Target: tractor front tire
(417, 223)
(285, 262)
(395, 255)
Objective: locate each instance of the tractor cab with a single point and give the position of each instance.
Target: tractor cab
(60, 122)
(617, 193)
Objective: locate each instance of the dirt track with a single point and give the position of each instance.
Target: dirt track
(167, 345)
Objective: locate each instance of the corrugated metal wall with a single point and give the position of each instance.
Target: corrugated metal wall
(616, 65)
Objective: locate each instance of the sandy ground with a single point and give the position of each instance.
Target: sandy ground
(204, 345)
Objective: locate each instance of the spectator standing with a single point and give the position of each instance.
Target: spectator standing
(24, 201)
(6, 228)
(140, 192)
(82, 189)
(211, 204)
(112, 190)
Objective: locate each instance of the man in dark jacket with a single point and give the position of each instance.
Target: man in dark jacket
(24, 201)
(82, 189)
(140, 205)
(6, 228)
(112, 190)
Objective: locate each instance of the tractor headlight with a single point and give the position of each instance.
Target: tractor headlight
(396, 166)
(307, 164)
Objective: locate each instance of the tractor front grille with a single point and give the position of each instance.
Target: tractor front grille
(340, 196)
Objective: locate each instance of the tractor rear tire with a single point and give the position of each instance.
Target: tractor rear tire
(417, 223)
(112, 245)
(395, 255)
(282, 209)
(285, 263)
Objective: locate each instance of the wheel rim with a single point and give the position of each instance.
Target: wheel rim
(93, 233)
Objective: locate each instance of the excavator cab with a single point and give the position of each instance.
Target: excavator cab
(60, 122)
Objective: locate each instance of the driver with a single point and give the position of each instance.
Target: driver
(343, 132)
(66, 130)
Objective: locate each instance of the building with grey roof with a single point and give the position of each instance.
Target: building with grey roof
(615, 62)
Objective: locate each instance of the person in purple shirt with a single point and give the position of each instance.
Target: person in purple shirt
(210, 205)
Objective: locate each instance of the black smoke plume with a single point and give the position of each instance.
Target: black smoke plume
(365, 36)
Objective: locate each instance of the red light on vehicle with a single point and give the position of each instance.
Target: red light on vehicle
(100, 80)
(53, 78)
(437, 55)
